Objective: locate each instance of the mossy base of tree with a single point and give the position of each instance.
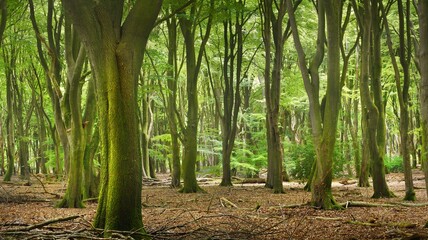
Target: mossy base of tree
(387, 194)
(65, 203)
(410, 196)
(327, 202)
(226, 183)
(195, 189)
(278, 190)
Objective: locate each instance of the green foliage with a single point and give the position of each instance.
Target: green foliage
(300, 157)
(394, 164)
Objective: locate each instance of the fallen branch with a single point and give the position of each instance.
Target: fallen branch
(369, 204)
(253, 180)
(365, 204)
(40, 225)
(43, 186)
(329, 218)
(226, 203)
(374, 224)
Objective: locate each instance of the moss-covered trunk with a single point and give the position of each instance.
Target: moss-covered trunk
(423, 62)
(321, 184)
(75, 60)
(115, 44)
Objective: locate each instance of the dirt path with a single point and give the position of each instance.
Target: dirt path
(242, 212)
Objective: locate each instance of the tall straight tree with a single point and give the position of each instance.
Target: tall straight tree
(402, 90)
(273, 14)
(323, 121)
(52, 68)
(405, 53)
(75, 56)
(115, 44)
(233, 38)
(373, 121)
(189, 23)
(172, 98)
(423, 63)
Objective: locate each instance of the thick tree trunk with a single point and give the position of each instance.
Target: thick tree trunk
(116, 48)
(423, 62)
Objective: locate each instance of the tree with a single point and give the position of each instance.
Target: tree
(423, 63)
(403, 94)
(373, 120)
(323, 119)
(272, 26)
(75, 56)
(115, 45)
(52, 68)
(189, 23)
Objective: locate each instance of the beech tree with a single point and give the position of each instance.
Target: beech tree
(115, 43)
(323, 120)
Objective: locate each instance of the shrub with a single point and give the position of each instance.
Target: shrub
(394, 164)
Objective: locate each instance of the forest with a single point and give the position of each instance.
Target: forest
(204, 119)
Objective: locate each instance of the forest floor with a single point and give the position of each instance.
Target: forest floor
(245, 211)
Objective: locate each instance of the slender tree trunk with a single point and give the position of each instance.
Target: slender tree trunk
(193, 64)
(75, 55)
(272, 29)
(10, 126)
(423, 62)
(90, 181)
(405, 58)
(171, 102)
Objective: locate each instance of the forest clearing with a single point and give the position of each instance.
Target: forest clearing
(245, 211)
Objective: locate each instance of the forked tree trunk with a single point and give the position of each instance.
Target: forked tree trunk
(116, 48)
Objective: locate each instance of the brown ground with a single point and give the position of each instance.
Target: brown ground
(260, 214)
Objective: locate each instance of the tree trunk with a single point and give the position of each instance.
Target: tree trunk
(171, 102)
(10, 124)
(193, 65)
(75, 55)
(405, 58)
(423, 62)
(90, 181)
(115, 47)
(272, 28)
